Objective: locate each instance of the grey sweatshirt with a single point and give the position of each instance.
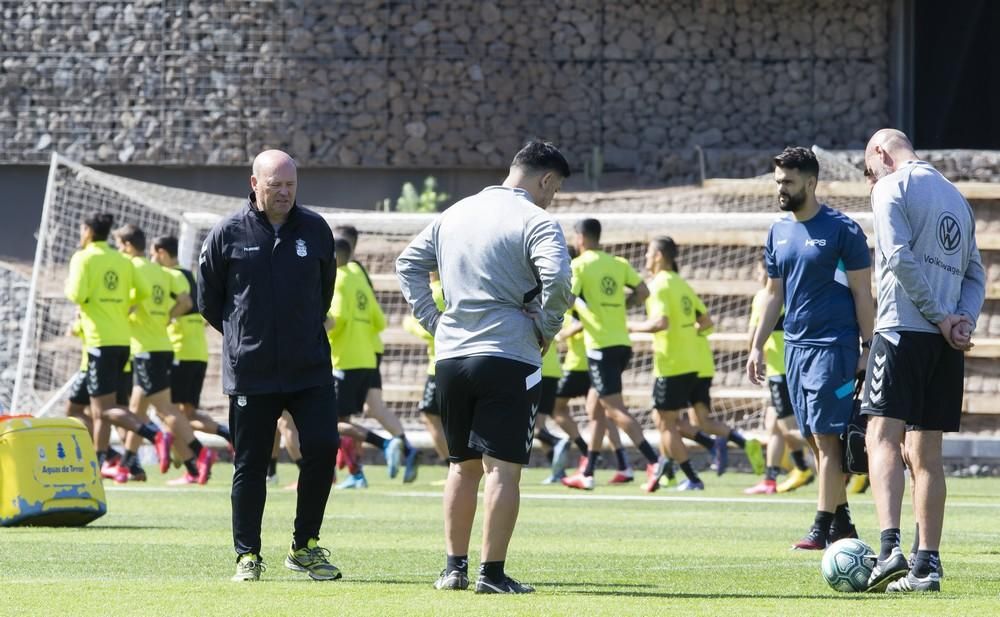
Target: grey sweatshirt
(926, 259)
(504, 271)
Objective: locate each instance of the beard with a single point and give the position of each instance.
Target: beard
(794, 203)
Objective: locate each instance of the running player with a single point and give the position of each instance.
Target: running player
(428, 404)
(599, 282)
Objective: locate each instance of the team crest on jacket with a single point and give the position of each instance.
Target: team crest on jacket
(300, 248)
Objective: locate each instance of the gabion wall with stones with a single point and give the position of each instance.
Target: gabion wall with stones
(14, 285)
(449, 83)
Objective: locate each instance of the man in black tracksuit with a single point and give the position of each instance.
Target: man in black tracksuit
(266, 282)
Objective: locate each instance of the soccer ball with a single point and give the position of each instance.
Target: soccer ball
(847, 564)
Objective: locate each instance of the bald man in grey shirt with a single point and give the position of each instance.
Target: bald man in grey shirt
(505, 274)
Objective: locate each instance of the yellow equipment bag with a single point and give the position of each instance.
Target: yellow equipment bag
(48, 473)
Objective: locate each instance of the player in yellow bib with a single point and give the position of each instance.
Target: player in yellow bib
(428, 407)
(599, 282)
(100, 283)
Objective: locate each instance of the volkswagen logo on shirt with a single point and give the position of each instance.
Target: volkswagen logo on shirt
(608, 285)
(949, 234)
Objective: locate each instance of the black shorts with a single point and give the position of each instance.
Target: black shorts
(606, 367)
(488, 406)
(780, 398)
(124, 388)
(547, 399)
(375, 381)
(920, 381)
(428, 402)
(352, 388)
(703, 392)
(78, 391)
(104, 367)
(674, 393)
(186, 379)
(152, 371)
(573, 384)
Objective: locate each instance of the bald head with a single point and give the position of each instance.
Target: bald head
(887, 150)
(274, 183)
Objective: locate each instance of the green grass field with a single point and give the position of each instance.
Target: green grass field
(616, 551)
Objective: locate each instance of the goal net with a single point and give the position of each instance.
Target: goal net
(720, 247)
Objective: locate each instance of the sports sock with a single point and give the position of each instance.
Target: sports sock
(298, 464)
(192, 466)
(916, 538)
(890, 540)
(543, 435)
(842, 516)
(926, 562)
(668, 469)
(223, 431)
(591, 464)
(130, 458)
(704, 440)
(771, 473)
(101, 458)
(648, 452)
(822, 523)
(689, 472)
(148, 431)
(407, 448)
(457, 562)
(799, 458)
(581, 444)
(736, 438)
(272, 467)
(621, 459)
(195, 447)
(492, 570)
(375, 439)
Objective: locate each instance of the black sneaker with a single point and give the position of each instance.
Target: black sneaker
(911, 582)
(456, 579)
(893, 567)
(507, 585)
(815, 540)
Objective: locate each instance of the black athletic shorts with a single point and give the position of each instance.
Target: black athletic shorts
(124, 388)
(428, 402)
(78, 391)
(488, 406)
(152, 371)
(703, 392)
(375, 382)
(780, 398)
(352, 388)
(573, 384)
(186, 379)
(104, 367)
(606, 367)
(919, 380)
(547, 399)
(674, 393)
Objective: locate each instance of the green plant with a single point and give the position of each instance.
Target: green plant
(426, 201)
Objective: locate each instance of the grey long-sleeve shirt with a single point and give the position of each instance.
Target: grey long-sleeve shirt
(926, 259)
(498, 256)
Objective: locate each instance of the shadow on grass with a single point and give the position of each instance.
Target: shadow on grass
(545, 585)
(850, 597)
(129, 527)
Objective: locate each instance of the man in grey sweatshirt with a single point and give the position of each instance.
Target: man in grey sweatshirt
(931, 287)
(505, 274)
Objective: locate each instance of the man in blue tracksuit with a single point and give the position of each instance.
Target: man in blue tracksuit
(266, 282)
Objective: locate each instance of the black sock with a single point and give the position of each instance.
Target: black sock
(298, 464)
(223, 431)
(547, 438)
(130, 458)
(689, 472)
(272, 467)
(822, 523)
(407, 448)
(926, 562)
(668, 469)
(842, 517)
(112, 453)
(621, 459)
(704, 440)
(582, 445)
(148, 432)
(890, 540)
(375, 439)
(591, 464)
(492, 570)
(101, 458)
(916, 538)
(648, 452)
(771, 473)
(195, 447)
(799, 458)
(457, 562)
(737, 439)
(191, 466)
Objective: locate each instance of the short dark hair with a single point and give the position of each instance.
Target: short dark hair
(589, 228)
(666, 246)
(133, 235)
(166, 243)
(573, 253)
(541, 156)
(100, 224)
(348, 232)
(342, 249)
(798, 158)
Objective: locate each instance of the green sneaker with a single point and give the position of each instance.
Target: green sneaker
(755, 454)
(248, 568)
(312, 559)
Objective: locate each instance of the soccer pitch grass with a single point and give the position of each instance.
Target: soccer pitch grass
(616, 551)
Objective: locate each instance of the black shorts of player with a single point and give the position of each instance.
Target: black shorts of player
(703, 392)
(152, 371)
(375, 383)
(186, 380)
(78, 391)
(919, 380)
(547, 399)
(104, 367)
(674, 393)
(780, 398)
(352, 388)
(428, 402)
(573, 384)
(124, 388)
(488, 406)
(606, 367)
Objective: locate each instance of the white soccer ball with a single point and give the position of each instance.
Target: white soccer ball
(847, 564)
